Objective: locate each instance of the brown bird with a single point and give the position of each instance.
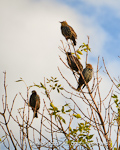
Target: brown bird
(87, 74)
(34, 102)
(68, 32)
(74, 62)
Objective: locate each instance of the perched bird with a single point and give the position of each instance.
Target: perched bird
(68, 32)
(34, 102)
(87, 74)
(74, 62)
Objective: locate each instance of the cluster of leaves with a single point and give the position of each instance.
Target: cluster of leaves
(81, 134)
(53, 83)
(84, 47)
(117, 102)
(56, 112)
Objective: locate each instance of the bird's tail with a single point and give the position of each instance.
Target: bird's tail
(35, 114)
(83, 86)
(79, 87)
(74, 41)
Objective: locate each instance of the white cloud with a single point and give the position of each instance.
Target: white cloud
(30, 36)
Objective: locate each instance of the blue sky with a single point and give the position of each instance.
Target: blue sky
(106, 16)
(30, 36)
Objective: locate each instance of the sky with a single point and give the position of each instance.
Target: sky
(30, 36)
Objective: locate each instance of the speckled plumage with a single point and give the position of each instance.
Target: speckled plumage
(74, 62)
(87, 74)
(34, 102)
(68, 32)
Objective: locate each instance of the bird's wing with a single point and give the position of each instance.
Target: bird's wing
(73, 32)
(37, 105)
(66, 31)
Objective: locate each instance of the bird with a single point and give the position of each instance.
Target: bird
(74, 62)
(87, 74)
(34, 102)
(68, 32)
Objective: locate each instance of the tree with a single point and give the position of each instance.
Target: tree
(69, 126)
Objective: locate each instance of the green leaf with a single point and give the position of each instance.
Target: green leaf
(30, 86)
(46, 93)
(89, 49)
(56, 84)
(90, 136)
(58, 90)
(81, 46)
(78, 56)
(60, 117)
(79, 52)
(51, 104)
(66, 104)
(62, 109)
(114, 96)
(75, 131)
(69, 110)
(37, 85)
(69, 142)
(70, 129)
(51, 109)
(58, 110)
(55, 117)
(63, 120)
(77, 116)
(85, 50)
(42, 86)
(53, 88)
(81, 124)
(54, 113)
(55, 108)
(118, 85)
(116, 101)
(110, 143)
(59, 85)
(18, 80)
(81, 134)
(90, 141)
(80, 139)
